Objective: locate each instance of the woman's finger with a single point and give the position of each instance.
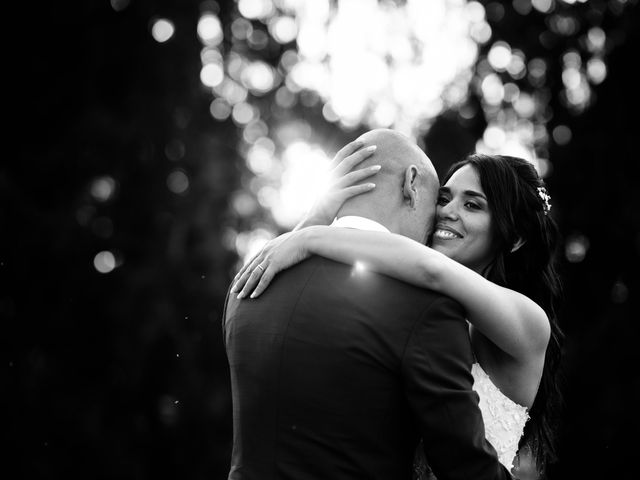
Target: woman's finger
(247, 265)
(240, 281)
(244, 273)
(264, 282)
(356, 176)
(241, 273)
(349, 192)
(352, 160)
(252, 281)
(344, 152)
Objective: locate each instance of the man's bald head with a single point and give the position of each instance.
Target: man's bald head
(406, 186)
(395, 152)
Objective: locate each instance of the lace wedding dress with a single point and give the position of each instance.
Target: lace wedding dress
(504, 422)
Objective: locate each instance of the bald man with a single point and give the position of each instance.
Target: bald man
(338, 373)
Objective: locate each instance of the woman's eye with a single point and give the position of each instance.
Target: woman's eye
(473, 205)
(442, 200)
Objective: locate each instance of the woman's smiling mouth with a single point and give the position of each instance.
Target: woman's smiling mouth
(446, 233)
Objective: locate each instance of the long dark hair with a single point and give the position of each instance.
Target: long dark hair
(520, 210)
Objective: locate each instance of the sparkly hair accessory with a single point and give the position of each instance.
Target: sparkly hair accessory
(546, 200)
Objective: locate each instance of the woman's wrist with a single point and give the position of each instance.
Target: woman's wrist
(311, 220)
(310, 236)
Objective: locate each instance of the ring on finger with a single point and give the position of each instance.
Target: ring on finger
(260, 267)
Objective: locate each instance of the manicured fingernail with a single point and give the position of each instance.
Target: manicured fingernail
(372, 148)
(234, 289)
(375, 168)
(253, 295)
(240, 296)
(371, 185)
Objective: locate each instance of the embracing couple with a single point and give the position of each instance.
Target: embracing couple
(404, 329)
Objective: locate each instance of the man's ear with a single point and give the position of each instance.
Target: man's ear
(520, 242)
(409, 190)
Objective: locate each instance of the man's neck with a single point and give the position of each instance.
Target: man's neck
(360, 222)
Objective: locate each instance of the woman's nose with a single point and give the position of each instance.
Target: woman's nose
(448, 211)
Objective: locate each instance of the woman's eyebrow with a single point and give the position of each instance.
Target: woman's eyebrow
(469, 193)
(472, 193)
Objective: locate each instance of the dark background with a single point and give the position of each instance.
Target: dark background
(123, 375)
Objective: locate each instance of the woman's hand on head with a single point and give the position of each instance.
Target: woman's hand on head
(278, 254)
(343, 182)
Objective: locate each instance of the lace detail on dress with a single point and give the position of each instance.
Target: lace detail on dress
(504, 422)
(504, 419)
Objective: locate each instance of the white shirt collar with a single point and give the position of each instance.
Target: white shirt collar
(360, 223)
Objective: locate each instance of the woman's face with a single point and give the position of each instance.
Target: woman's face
(463, 221)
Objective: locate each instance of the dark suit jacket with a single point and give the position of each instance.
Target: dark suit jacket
(336, 373)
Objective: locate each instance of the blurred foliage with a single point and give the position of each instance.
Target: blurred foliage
(123, 374)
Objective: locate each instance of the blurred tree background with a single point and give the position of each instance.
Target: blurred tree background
(158, 143)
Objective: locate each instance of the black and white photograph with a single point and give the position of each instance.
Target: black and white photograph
(321, 240)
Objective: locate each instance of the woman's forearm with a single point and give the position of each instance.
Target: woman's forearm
(390, 254)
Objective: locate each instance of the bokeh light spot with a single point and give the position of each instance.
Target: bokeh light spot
(119, 5)
(285, 98)
(178, 182)
(231, 91)
(104, 262)
(619, 292)
(162, 30)
(596, 39)
(492, 89)
(220, 109)
(523, 7)
(211, 74)
(537, 72)
(210, 30)
(243, 204)
(543, 6)
(258, 39)
(571, 78)
(103, 188)
(255, 130)
(258, 77)
(562, 134)
(243, 113)
(596, 70)
(255, 9)
(500, 56)
(516, 67)
(525, 105)
(576, 248)
(260, 159)
(241, 28)
(283, 29)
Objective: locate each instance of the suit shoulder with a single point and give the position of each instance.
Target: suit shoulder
(343, 282)
(439, 302)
